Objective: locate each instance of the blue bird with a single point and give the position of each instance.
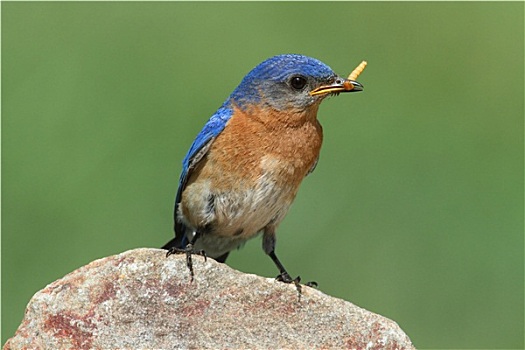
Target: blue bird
(243, 171)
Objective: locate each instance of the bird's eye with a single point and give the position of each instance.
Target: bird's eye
(298, 82)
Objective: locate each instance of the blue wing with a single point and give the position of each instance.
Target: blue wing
(198, 150)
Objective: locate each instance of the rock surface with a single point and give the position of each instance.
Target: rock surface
(141, 299)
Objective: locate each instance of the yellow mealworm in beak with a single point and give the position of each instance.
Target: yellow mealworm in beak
(358, 70)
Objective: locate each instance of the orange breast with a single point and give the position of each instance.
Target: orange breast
(289, 142)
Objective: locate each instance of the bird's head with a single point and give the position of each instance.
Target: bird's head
(291, 83)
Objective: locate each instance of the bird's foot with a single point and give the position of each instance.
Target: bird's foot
(286, 278)
(189, 251)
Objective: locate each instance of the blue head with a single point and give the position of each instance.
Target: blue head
(287, 82)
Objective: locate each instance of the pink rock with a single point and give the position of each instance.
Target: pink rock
(141, 299)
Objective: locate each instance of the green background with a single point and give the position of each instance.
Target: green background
(415, 210)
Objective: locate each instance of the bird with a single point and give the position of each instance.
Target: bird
(244, 168)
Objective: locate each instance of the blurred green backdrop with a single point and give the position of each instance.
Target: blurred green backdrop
(415, 210)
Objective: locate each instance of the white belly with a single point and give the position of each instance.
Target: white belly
(229, 218)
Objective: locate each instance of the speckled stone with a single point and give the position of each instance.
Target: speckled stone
(141, 299)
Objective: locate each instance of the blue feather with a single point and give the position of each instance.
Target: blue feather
(209, 132)
(276, 69)
(211, 129)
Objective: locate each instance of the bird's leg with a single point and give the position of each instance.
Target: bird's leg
(269, 248)
(283, 275)
(188, 250)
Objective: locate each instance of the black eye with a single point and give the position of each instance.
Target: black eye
(298, 82)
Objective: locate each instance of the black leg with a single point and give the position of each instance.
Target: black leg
(283, 274)
(188, 250)
(285, 277)
(269, 248)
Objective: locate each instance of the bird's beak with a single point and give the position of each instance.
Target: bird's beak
(340, 85)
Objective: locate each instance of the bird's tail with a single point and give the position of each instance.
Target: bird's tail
(176, 242)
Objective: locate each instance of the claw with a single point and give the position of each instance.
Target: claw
(312, 284)
(285, 277)
(189, 252)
